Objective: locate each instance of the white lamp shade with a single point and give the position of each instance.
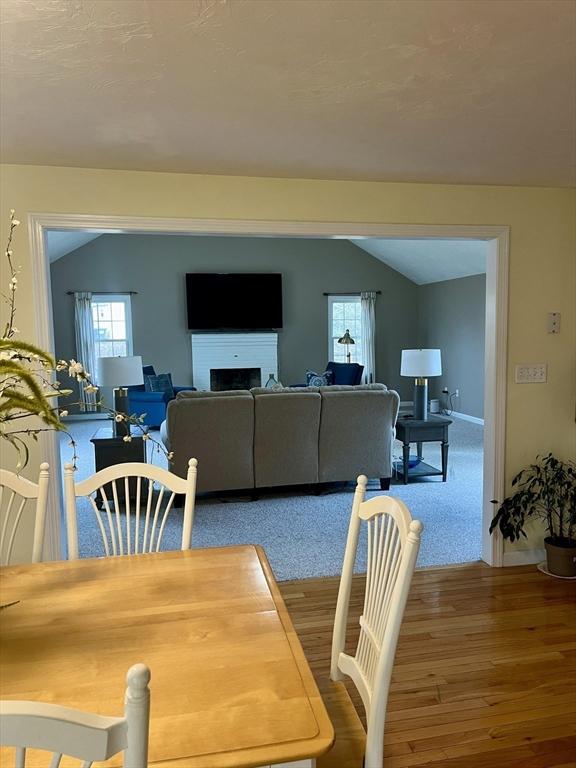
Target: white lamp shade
(120, 371)
(421, 363)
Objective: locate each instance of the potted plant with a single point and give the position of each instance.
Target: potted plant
(544, 491)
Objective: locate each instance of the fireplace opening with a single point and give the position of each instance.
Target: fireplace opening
(222, 379)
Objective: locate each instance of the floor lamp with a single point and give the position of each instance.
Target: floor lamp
(420, 364)
(347, 339)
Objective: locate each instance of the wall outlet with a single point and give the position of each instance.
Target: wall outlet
(456, 393)
(553, 322)
(531, 373)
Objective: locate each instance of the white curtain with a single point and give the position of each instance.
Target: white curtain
(85, 346)
(368, 314)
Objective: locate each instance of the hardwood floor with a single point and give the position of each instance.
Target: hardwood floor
(485, 671)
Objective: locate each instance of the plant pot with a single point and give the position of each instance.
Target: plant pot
(561, 556)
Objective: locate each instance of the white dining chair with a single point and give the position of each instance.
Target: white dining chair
(63, 731)
(16, 493)
(393, 544)
(132, 503)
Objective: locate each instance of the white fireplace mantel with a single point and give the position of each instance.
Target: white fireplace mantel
(233, 350)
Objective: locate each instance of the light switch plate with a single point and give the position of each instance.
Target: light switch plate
(531, 373)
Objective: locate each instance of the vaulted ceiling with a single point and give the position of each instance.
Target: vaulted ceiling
(464, 91)
(59, 242)
(428, 261)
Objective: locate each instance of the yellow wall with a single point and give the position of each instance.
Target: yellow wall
(540, 418)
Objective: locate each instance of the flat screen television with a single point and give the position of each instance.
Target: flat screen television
(233, 301)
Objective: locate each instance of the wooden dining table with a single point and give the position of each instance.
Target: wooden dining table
(230, 684)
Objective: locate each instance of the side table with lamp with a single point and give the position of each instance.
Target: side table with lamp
(109, 445)
(420, 428)
(421, 364)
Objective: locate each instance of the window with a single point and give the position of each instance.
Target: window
(112, 321)
(344, 313)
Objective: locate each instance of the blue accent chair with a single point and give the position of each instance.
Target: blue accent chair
(346, 373)
(153, 404)
(343, 373)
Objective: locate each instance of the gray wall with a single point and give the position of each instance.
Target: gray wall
(155, 265)
(452, 318)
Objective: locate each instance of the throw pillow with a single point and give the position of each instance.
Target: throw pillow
(314, 379)
(160, 383)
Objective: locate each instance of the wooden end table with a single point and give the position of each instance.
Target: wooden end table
(110, 450)
(432, 429)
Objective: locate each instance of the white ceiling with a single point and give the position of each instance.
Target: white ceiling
(464, 91)
(429, 261)
(60, 242)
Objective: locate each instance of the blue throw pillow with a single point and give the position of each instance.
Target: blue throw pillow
(162, 382)
(314, 379)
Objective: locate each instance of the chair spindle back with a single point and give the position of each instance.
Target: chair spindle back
(17, 493)
(132, 503)
(87, 737)
(393, 545)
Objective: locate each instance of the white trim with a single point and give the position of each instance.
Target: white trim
(496, 311)
(250, 228)
(495, 366)
(524, 557)
(49, 441)
(465, 417)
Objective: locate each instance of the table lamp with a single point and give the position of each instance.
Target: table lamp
(347, 339)
(120, 372)
(420, 364)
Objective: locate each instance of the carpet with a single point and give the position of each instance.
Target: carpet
(304, 534)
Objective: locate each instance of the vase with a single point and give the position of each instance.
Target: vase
(272, 382)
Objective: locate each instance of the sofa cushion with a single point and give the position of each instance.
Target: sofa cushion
(356, 432)
(161, 382)
(286, 426)
(219, 432)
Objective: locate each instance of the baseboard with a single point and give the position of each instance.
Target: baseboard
(524, 557)
(465, 417)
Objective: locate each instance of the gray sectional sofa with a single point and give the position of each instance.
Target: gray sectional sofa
(264, 438)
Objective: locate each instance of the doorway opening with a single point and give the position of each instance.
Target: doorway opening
(496, 275)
